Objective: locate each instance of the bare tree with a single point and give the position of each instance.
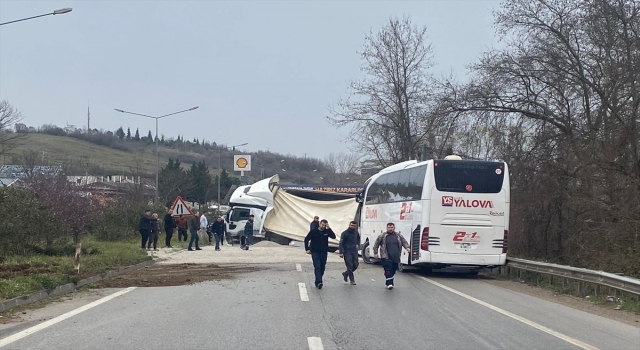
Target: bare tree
(391, 111)
(66, 202)
(341, 167)
(29, 162)
(561, 105)
(9, 116)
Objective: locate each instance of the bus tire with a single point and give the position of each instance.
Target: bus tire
(366, 257)
(401, 267)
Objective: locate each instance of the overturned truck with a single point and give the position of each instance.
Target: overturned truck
(283, 215)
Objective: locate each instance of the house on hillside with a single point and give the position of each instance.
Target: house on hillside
(22, 172)
(142, 192)
(4, 182)
(70, 129)
(90, 179)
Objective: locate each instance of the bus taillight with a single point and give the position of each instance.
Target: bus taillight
(424, 242)
(505, 243)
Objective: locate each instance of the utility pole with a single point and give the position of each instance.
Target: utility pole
(88, 121)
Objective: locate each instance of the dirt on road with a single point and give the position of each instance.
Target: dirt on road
(174, 275)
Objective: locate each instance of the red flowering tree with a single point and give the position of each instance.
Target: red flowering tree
(70, 206)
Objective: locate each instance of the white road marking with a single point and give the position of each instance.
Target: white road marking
(298, 267)
(559, 335)
(51, 322)
(315, 343)
(303, 292)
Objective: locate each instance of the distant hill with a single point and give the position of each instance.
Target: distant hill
(128, 157)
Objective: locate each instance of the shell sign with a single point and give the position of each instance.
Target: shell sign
(241, 163)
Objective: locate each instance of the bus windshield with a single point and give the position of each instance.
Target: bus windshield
(468, 176)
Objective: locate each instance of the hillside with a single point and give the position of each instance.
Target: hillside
(128, 157)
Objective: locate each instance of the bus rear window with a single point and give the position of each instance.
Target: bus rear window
(468, 176)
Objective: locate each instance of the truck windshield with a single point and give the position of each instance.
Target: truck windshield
(240, 214)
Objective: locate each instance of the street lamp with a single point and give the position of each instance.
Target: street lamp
(56, 12)
(220, 168)
(157, 152)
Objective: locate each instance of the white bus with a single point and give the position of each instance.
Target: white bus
(453, 212)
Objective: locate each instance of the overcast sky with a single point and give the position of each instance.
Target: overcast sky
(262, 72)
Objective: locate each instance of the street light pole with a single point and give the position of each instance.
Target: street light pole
(220, 168)
(56, 12)
(157, 139)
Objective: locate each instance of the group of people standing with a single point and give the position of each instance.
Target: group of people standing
(388, 247)
(149, 228)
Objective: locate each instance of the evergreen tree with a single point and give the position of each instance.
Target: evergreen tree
(137, 137)
(128, 133)
(120, 133)
(200, 183)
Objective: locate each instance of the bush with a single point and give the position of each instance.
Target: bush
(120, 221)
(27, 223)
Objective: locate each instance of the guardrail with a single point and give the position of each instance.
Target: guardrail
(623, 283)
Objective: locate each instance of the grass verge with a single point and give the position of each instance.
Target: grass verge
(21, 275)
(600, 295)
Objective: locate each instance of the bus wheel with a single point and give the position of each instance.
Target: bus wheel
(401, 267)
(366, 257)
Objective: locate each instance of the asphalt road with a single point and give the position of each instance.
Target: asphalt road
(265, 310)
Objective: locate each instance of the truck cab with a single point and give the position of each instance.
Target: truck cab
(256, 200)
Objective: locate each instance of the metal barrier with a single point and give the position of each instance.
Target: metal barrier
(623, 283)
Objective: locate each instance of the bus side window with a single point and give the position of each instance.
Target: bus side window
(392, 187)
(383, 193)
(373, 193)
(416, 182)
(403, 185)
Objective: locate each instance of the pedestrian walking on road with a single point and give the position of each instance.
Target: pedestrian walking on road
(204, 223)
(194, 227)
(390, 244)
(169, 225)
(248, 233)
(154, 232)
(183, 226)
(218, 228)
(144, 226)
(349, 241)
(315, 223)
(316, 243)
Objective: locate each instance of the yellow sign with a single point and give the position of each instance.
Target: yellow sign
(241, 163)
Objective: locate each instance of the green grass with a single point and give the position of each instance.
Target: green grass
(630, 302)
(39, 272)
(61, 148)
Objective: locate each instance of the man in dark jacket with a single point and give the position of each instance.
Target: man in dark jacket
(219, 228)
(169, 225)
(194, 227)
(144, 226)
(315, 223)
(248, 233)
(349, 241)
(317, 244)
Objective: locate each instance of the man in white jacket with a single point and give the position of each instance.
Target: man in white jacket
(203, 225)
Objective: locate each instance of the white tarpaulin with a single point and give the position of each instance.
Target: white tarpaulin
(291, 215)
